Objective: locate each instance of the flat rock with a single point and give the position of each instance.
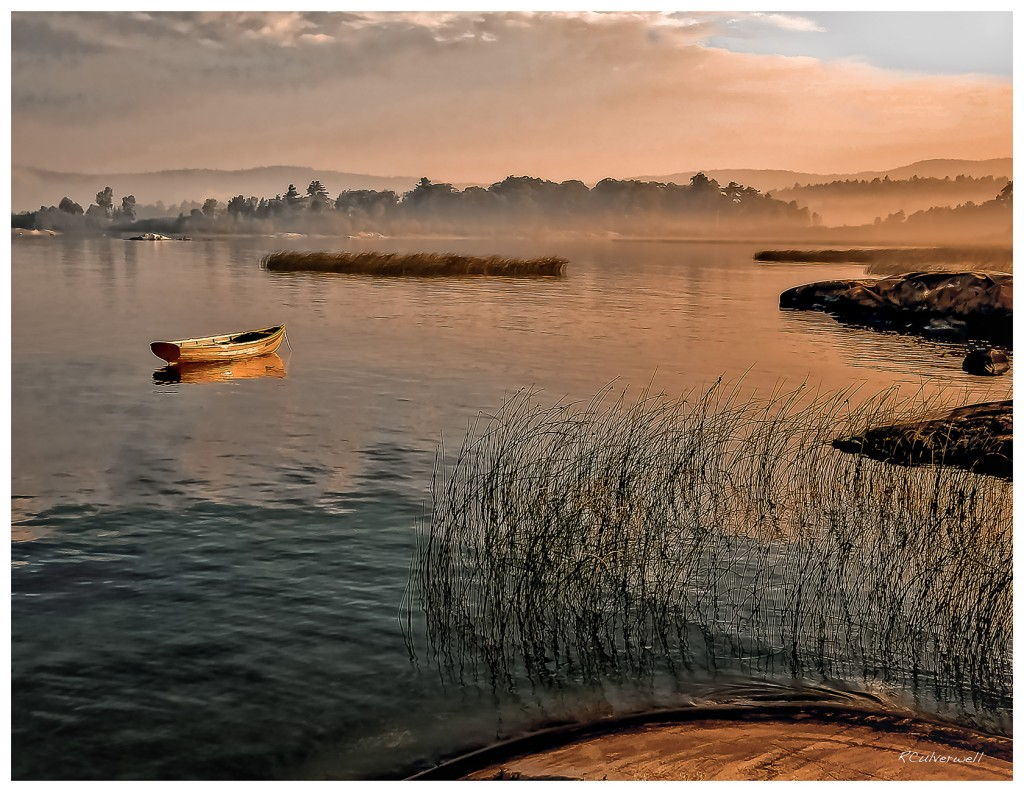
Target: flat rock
(793, 750)
(978, 437)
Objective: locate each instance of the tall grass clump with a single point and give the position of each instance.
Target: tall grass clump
(617, 538)
(893, 261)
(421, 265)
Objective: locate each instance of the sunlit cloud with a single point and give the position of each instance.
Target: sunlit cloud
(789, 22)
(470, 97)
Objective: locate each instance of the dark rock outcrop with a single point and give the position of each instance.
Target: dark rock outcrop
(986, 362)
(978, 437)
(948, 305)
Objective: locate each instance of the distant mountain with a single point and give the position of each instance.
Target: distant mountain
(768, 179)
(35, 187)
(941, 168)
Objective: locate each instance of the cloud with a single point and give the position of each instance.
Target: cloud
(316, 38)
(35, 39)
(729, 22)
(138, 30)
(470, 96)
(788, 22)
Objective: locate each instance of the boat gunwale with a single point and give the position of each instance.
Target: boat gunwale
(219, 347)
(224, 339)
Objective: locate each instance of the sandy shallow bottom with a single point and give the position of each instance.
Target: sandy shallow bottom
(772, 750)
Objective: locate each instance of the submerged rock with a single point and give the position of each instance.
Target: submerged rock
(986, 362)
(978, 437)
(948, 305)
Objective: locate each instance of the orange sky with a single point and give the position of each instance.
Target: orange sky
(473, 97)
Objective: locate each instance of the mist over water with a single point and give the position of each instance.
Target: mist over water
(208, 576)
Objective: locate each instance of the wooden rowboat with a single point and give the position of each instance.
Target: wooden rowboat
(219, 348)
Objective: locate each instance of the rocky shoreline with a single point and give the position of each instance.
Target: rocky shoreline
(953, 306)
(977, 437)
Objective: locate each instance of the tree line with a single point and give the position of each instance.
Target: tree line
(937, 215)
(857, 201)
(886, 186)
(517, 202)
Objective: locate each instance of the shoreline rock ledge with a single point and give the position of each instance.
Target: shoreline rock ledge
(954, 306)
(977, 437)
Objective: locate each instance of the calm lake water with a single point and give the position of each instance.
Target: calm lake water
(207, 576)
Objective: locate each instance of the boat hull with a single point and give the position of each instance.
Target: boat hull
(219, 349)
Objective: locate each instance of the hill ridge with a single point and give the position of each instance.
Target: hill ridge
(780, 178)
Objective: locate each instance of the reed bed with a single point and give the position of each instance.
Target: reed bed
(420, 265)
(892, 261)
(620, 538)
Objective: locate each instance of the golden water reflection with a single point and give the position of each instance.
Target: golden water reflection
(272, 366)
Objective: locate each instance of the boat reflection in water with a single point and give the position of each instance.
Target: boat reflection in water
(228, 371)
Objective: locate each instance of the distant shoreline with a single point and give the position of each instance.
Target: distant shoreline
(798, 242)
